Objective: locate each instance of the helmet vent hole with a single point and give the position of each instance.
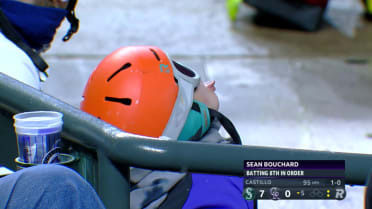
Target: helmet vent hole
(124, 101)
(155, 54)
(125, 66)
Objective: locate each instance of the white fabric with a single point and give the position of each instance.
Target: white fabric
(180, 110)
(182, 106)
(16, 64)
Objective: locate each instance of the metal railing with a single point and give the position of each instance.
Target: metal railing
(117, 150)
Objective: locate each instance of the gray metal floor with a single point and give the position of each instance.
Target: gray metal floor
(280, 87)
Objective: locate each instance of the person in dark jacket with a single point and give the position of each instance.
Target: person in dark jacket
(27, 28)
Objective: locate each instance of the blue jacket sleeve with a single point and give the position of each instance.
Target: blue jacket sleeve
(218, 192)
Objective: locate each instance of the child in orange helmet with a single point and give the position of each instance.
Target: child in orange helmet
(141, 90)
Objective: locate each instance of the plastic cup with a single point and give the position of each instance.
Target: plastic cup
(38, 136)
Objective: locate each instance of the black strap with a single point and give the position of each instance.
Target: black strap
(195, 107)
(71, 5)
(178, 195)
(74, 22)
(227, 124)
(8, 30)
(198, 135)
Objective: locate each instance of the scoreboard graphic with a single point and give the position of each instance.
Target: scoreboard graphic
(294, 179)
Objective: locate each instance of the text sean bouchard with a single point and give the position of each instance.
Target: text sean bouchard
(271, 164)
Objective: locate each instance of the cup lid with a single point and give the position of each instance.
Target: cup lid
(38, 119)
